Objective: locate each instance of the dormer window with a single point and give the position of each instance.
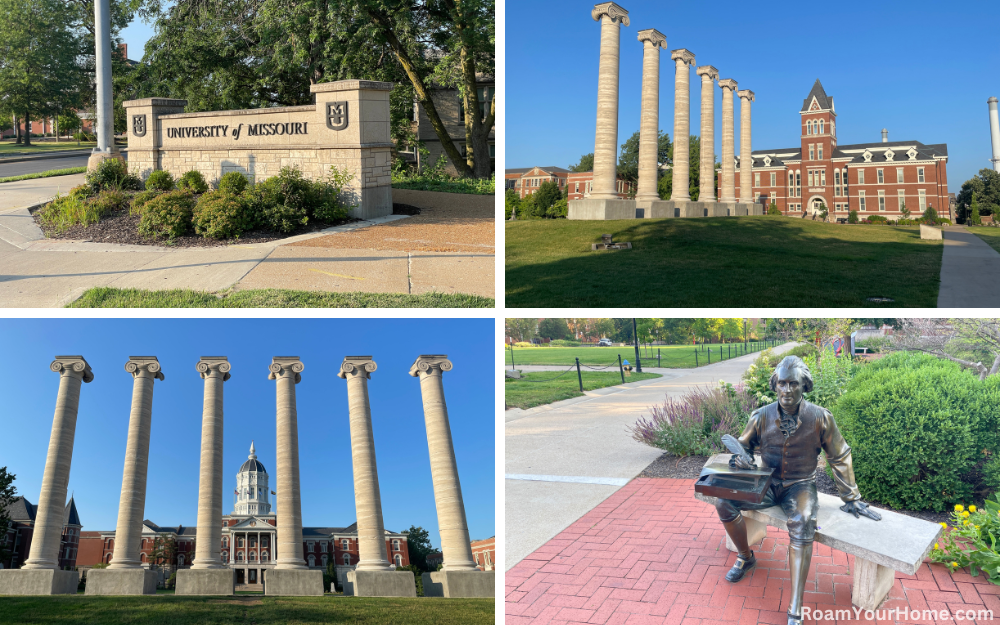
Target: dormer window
(868, 156)
(767, 161)
(912, 153)
(889, 155)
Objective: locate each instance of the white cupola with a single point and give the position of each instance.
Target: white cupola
(252, 494)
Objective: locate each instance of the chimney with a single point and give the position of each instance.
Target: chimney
(885, 136)
(994, 133)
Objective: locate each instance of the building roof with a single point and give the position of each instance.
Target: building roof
(180, 530)
(824, 101)
(253, 465)
(20, 509)
(72, 516)
(940, 149)
(551, 169)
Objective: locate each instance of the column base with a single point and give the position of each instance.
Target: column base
(602, 209)
(121, 582)
(205, 582)
(665, 209)
(38, 582)
(96, 158)
(293, 583)
(380, 584)
(459, 584)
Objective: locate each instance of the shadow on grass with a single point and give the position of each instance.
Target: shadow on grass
(738, 262)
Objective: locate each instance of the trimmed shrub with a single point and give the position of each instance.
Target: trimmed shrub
(221, 215)
(922, 431)
(112, 173)
(233, 183)
(772, 209)
(139, 201)
(280, 203)
(193, 180)
(167, 215)
(160, 180)
(852, 217)
(564, 343)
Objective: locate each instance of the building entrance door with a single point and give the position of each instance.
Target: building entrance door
(253, 576)
(240, 579)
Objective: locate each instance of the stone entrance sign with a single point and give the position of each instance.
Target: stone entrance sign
(348, 126)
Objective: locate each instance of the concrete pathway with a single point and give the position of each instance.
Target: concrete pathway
(651, 553)
(969, 270)
(39, 272)
(584, 437)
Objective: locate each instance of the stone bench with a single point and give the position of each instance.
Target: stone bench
(896, 543)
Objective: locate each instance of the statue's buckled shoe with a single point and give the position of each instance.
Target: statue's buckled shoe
(741, 568)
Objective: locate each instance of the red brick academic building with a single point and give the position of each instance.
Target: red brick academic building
(526, 180)
(18, 537)
(871, 178)
(484, 553)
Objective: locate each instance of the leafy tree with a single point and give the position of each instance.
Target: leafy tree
(623, 331)
(974, 219)
(905, 212)
(707, 329)
(931, 215)
(418, 544)
(650, 329)
(69, 121)
(852, 217)
(164, 552)
(604, 328)
(773, 209)
(521, 330)
(546, 195)
(628, 161)
(7, 495)
(823, 211)
(986, 186)
(665, 185)
(553, 328)
(586, 163)
(972, 343)
(330, 577)
(732, 329)
(512, 203)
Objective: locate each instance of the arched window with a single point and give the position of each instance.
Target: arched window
(107, 559)
(263, 556)
(180, 560)
(252, 556)
(142, 557)
(398, 559)
(821, 126)
(225, 542)
(347, 559)
(239, 556)
(323, 559)
(312, 560)
(395, 544)
(809, 127)
(225, 556)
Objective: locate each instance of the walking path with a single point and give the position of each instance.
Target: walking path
(564, 459)
(652, 554)
(969, 267)
(39, 272)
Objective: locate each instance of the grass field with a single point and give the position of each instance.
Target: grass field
(104, 297)
(674, 356)
(173, 610)
(9, 148)
(531, 391)
(990, 235)
(45, 174)
(762, 261)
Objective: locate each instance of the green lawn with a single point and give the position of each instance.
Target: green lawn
(531, 391)
(173, 610)
(9, 148)
(764, 261)
(680, 356)
(103, 297)
(990, 235)
(45, 174)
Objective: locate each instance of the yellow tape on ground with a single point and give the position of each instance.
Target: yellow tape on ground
(338, 275)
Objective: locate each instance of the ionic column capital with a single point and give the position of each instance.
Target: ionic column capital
(430, 364)
(745, 94)
(357, 365)
(680, 54)
(214, 367)
(286, 366)
(728, 83)
(653, 36)
(142, 366)
(707, 70)
(614, 12)
(75, 366)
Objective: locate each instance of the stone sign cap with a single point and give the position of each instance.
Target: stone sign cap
(350, 85)
(76, 364)
(429, 363)
(614, 12)
(364, 364)
(154, 102)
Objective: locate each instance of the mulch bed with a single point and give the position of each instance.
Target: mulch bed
(689, 467)
(122, 228)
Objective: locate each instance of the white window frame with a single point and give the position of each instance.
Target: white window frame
(899, 175)
(819, 152)
(901, 195)
(881, 200)
(880, 176)
(756, 179)
(821, 127)
(811, 152)
(345, 544)
(861, 201)
(920, 174)
(774, 179)
(922, 199)
(822, 175)
(861, 175)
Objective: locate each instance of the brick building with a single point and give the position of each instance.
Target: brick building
(18, 538)
(526, 180)
(249, 536)
(484, 553)
(871, 178)
(451, 109)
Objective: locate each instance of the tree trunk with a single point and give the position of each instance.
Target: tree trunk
(27, 128)
(477, 129)
(17, 130)
(996, 366)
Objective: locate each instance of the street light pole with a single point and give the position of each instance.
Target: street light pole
(635, 340)
(102, 73)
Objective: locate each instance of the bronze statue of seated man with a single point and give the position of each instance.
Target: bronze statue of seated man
(789, 434)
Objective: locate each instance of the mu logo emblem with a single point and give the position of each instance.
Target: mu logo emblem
(139, 125)
(336, 115)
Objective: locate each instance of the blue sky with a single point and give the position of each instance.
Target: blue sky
(29, 394)
(923, 70)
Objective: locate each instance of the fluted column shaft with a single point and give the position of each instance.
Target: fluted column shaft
(287, 373)
(51, 510)
(706, 172)
(649, 127)
(728, 193)
(128, 533)
(746, 152)
(456, 548)
(682, 126)
(367, 498)
(606, 140)
(208, 547)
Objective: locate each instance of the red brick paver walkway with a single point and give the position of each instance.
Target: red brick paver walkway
(652, 553)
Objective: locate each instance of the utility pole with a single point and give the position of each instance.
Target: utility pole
(635, 340)
(105, 101)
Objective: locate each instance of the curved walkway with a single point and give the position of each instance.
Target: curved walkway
(969, 270)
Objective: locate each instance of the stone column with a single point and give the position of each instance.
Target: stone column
(682, 125)
(610, 15)
(374, 576)
(746, 153)
(102, 60)
(706, 172)
(208, 575)
(51, 510)
(291, 576)
(649, 128)
(728, 175)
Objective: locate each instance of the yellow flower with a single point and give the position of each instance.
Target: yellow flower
(954, 563)
(945, 525)
(965, 522)
(959, 507)
(936, 546)
(965, 514)
(972, 508)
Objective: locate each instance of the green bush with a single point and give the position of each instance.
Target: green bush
(512, 203)
(773, 209)
(221, 215)
(81, 192)
(930, 214)
(112, 173)
(109, 201)
(921, 429)
(564, 343)
(559, 210)
(852, 217)
(193, 180)
(281, 203)
(160, 180)
(139, 201)
(327, 202)
(758, 375)
(876, 219)
(233, 183)
(69, 210)
(831, 375)
(167, 215)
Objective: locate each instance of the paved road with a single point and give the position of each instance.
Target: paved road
(43, 164)
(564, 459)
(969, 267)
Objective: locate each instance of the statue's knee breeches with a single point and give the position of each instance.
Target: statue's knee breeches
(801, 506)
(727, 511)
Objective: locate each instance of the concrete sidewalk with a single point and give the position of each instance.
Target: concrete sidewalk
(37, 272)
(969, 270)
(563, 461)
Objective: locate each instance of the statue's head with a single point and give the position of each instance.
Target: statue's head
(791, 378)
